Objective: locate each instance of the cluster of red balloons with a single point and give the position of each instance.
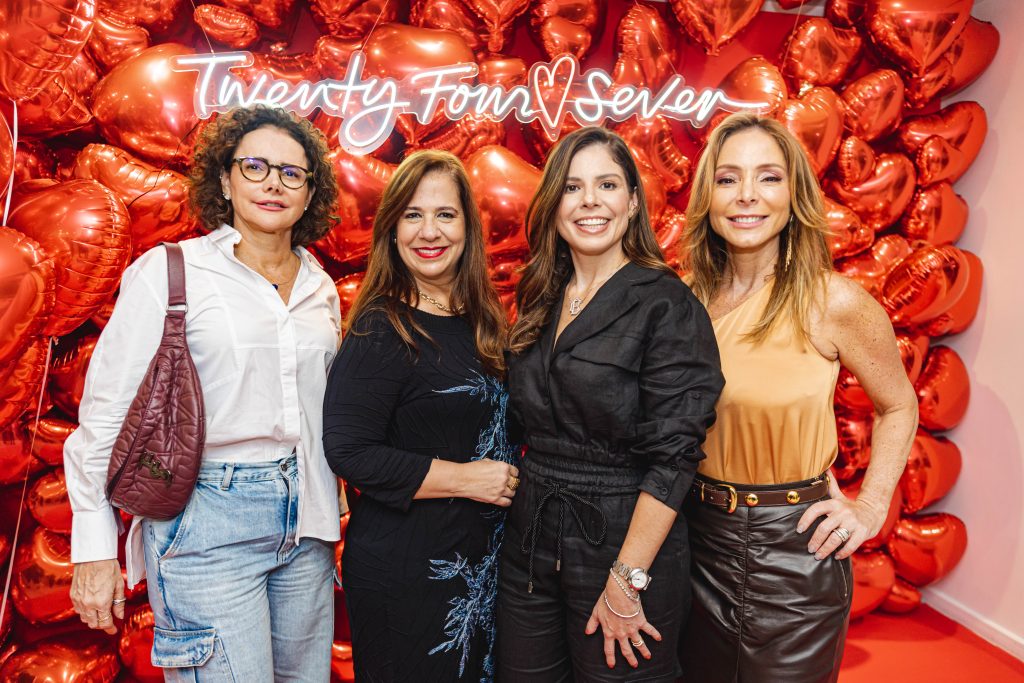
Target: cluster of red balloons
(105, 128)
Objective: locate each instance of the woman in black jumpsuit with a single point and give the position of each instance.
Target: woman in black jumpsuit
(613, 375)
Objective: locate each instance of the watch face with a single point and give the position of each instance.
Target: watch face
(639, 580)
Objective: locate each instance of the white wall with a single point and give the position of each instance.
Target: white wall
(986, 590)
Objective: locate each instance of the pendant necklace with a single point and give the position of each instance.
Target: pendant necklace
(576, 303)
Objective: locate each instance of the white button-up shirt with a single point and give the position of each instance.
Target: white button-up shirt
(263, 367)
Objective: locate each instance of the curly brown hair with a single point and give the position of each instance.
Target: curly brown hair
(216, 148)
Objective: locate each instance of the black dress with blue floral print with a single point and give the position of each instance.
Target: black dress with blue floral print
(420, 576)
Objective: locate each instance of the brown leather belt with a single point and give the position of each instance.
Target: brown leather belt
(729, 497)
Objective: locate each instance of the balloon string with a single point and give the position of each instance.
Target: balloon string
(14, 166)
(362, 46)
(24, 481)
(671, 62)
(205, 34)
(789, 38)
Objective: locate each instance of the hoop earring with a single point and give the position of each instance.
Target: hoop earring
(789, 243)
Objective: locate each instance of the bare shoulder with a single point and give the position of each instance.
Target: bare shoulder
(849, 303)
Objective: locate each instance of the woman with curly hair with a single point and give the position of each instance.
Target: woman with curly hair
(240, 581)
(414, 417)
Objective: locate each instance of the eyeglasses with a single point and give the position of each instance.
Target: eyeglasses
(257, 169)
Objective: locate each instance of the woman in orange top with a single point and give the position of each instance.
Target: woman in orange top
(771, 532)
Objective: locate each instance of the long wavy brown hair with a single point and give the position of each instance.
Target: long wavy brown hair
(550, 264)
(216, 148)
(804, 256)
(388, 285)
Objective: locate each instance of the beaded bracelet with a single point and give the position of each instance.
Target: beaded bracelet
(630, 593)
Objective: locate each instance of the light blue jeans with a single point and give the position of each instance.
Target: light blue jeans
(233, 597)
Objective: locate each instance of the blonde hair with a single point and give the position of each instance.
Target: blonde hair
(804, 256)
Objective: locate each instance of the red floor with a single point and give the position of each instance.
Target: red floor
(922, 647)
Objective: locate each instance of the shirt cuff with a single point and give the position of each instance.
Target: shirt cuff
(668, 485)
(94, 535)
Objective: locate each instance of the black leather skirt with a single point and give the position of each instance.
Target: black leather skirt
(764, 610)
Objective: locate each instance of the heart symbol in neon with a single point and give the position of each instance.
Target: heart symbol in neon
(545, 81)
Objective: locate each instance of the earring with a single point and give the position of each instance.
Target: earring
(789, 243)
(227, 197)
(394, 238)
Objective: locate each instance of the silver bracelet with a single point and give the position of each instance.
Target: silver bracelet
(630, 593)
(639, 609)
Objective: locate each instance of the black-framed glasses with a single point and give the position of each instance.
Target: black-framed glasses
(257, 169)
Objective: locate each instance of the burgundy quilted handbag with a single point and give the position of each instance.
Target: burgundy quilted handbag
(156, 457)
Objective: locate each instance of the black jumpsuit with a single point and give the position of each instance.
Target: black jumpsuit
(618, 406)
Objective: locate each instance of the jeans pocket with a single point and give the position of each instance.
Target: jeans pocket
(168, 533)
(192, 655)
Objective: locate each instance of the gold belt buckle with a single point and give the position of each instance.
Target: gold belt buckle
(734, 498)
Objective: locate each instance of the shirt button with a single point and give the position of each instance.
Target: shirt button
(664, 491)
(284, 465)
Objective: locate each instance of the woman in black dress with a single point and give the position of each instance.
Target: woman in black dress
(614, 376)
(414, 418)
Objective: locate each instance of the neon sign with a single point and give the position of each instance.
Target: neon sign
(370, 106)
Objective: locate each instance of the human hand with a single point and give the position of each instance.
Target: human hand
(97, 590)
(858, 518)
(622, 631)
(489, 481)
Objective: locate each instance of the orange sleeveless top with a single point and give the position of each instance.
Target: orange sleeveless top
(776, 423)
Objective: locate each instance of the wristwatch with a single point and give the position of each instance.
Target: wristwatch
(637, 578)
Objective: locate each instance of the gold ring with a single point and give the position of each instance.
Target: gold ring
(638, 643)
(513, 483)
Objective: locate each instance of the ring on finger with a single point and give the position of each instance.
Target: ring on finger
(842, 533)
(102, 616)
(119, 601)
(513, 483)
(639, 642)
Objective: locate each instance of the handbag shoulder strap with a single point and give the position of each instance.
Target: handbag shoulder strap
(175, 275)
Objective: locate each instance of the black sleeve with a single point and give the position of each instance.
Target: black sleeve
(680, 380)
(364, 387)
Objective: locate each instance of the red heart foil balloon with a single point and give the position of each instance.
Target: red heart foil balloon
(396, 51)
(881, 199)
(943, 390)
(562, 26)
(348, 289)
(158, 16)
(920, 90)
(844, 13)
(924, 285)
(16, 462)
(497, 16)
(713, 24)
(7, 620)
(449, 15)
(870, 268)
(464, 137)
(848, 236)
(507, 72)
(135, 644)
(67, 372)
(873, 104)
(962, 124)
(873, 578)
(42, 578)
(82, 75)
(361, 182)
(962, 311)
(850, 395)
(293, 68)
(653, 141)
(227, 26)
(33, 160)
(852, 489)
(932, 470)
(272, 13)
(332, 53)
(756, 80)
(27, 293)
(56, 109)
(915, 33)
(85, 227)
(47, 500)
(855, 161)
(503, 184)
(20, 382)
(50, 434)
(816, 119)
(115, 38)
(5, 553)
(654, 192)
(971, 54)
(144, 106)
(157, 199)
(342, 665)
(927, 547)
(902, 599)
(939, 161)
(669, 231)
(40, 38)
(71, 657)
(818, 53)
(854, 434)
(937, 215)
(645, 47)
